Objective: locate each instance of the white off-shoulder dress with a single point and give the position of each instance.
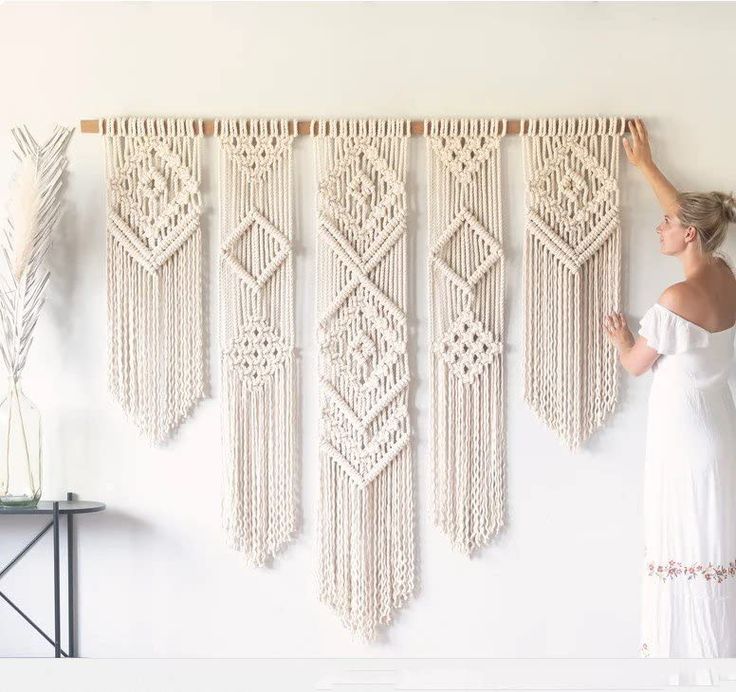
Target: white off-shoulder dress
(689, 581)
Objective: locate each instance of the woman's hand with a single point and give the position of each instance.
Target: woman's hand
(636, 355)
(618, 331)
(640, 155)
(637, 149)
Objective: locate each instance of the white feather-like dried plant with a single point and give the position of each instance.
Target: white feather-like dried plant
(34, 212)
(24, 206)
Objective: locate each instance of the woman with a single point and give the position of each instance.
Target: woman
(686, 338)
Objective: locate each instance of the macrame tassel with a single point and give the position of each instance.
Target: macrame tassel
(154, 286)
(572, 260)
(257, 317)
(366, 488)
(466, 296)
(367, 544)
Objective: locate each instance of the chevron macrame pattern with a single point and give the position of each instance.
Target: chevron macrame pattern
(466, 295)
(154, 285)
(257, 326)
(572, 263)
(366, 496)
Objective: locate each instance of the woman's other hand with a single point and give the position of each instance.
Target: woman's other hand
(637, 148)
(618, 331)
(636, 355)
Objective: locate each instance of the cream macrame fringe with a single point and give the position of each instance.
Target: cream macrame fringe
(366, 489)
(466, 280)
(154, 284)
(257, 326)
(572, 259)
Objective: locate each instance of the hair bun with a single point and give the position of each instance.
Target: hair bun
(729, 206)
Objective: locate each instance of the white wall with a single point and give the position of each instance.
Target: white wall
(155, 577)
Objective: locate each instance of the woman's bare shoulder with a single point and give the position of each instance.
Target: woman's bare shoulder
(679, 296)
(700, 304)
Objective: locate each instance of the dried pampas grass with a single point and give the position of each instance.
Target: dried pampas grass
(34, 212)
(24, 207)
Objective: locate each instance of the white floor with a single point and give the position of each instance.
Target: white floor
(362, 675)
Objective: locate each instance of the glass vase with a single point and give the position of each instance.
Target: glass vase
(20, 449)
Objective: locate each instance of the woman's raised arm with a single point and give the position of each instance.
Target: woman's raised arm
(639, 154)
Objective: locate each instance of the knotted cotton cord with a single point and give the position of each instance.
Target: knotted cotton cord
(466, 323)
(257, 335)
(572, 261)
(366, 488)
(154, 278)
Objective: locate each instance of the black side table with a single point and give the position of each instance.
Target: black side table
(67, 508)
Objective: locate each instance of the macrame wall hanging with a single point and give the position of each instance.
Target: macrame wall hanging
(154, 284)
(572, 259)
(466, 322)
(366, 487)
(257, 328)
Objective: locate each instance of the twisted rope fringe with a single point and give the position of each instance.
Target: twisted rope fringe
(366, 487)
(257, 318)
(466, 325)
(572, 260)
(154, 285)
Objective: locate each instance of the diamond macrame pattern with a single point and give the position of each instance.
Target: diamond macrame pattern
(359, 195)
(256, 155)
(464, 155)
(467, 347)
(573, 204)
(363, 333)
(153, 203)
(466, 251)
(572, 185)
(256, 249)
(364, 342)
(256, 353)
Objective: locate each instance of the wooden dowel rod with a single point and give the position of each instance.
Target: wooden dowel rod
(303, 127)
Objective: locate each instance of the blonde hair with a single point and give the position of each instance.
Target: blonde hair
(709, 213)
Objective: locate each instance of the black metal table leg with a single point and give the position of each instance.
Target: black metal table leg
(57, 585)
(69, 507)
(35, 540)
(71, 614)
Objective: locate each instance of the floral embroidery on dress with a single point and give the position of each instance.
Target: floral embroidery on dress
(676, 569)
(645, 650)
